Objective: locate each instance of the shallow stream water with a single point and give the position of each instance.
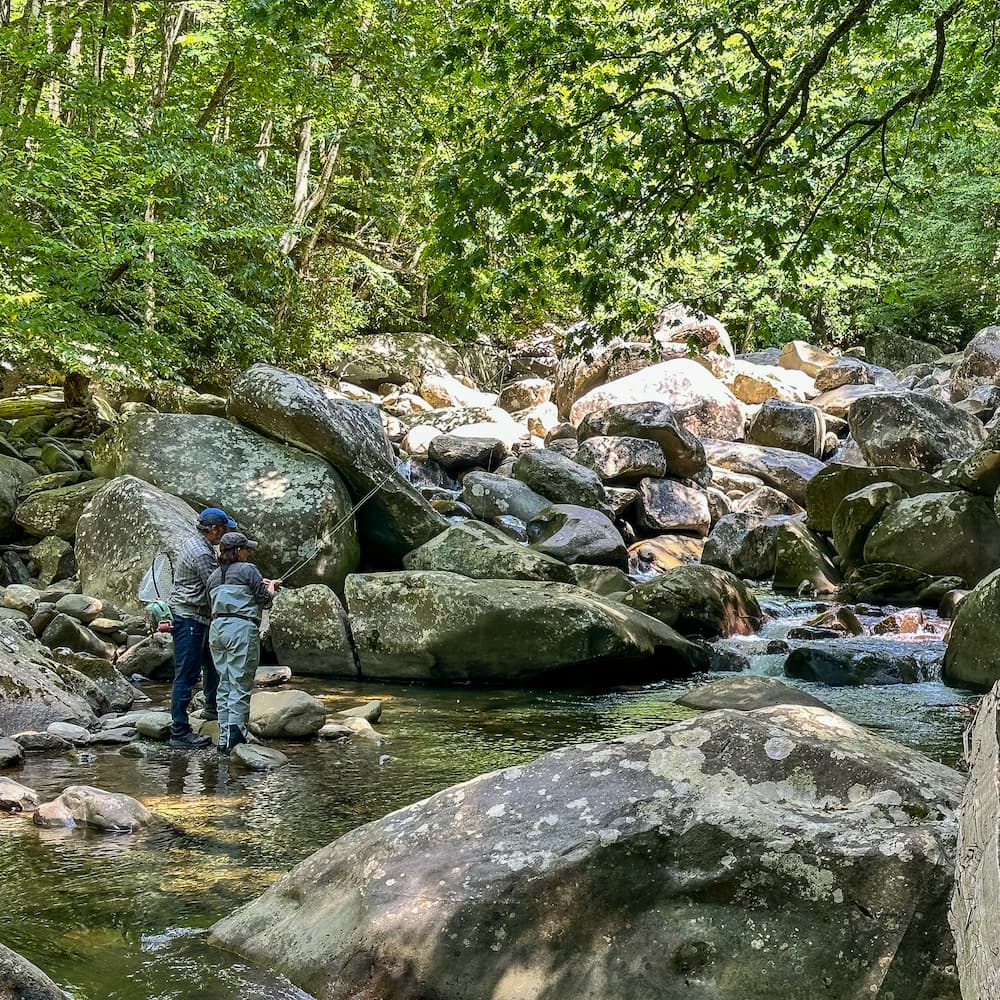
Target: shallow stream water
(122, 917)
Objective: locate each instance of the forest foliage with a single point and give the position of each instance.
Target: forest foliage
(191, 184)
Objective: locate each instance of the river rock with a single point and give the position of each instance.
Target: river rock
(490, 495)
(288, 500)
(666, 505)
(603, 580)
(524, 394)
(81, 607)
(651, 556)
(350, 437)
(442, 389)
(310, 634)
(980, 364)
(698, 600)
(52, 559)
(15, 797)
(682, 451)
(371, 712)
(21, 597)
(33, 741)
(272, 676)
(912, 430)
(57, 512)
(698, 400)
(285, 715)
(803, 560)
(665, 847)
(862, 660)
(397, 358)
(797, 355)
(68, 632)
(764, 501)
(14, 474)
(457, 453)
(788, 471)
(574, 534)
(446, 627)
(791, 426)
(942, 534)
(857, 514)
(258, 758)
(973, 656)
(622, 459)
(11, 753)
(746, 694)
(95, 809)
(151, 657)
(844, 371)
(20, 980)
(484, 552)
(154, 725)
(560, 479)
(76, 735)
(743, 544)
(34, 690)
(975, 915)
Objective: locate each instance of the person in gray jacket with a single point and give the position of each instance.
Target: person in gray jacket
(239, 595)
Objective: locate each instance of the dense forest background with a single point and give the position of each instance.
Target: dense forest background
(192, 184)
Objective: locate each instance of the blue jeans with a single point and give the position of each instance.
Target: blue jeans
(192, 662)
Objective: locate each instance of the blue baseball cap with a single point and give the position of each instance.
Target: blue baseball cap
(212, 516)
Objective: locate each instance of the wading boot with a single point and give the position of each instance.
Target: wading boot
(234, 738)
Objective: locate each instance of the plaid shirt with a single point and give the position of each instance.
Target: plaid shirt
(196, 562)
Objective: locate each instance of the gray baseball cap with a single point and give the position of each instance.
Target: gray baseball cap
(236, 540)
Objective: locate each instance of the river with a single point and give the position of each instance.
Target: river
(122, 917)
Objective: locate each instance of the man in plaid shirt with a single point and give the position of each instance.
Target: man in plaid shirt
(189, 600)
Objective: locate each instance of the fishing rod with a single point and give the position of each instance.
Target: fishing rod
(330, 532)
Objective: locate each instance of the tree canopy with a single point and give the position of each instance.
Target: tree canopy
(197, 183)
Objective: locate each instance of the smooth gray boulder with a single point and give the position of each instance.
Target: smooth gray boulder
(746, 693)
(444, 627)
(942, 534)
(698, 600)
(310, 634)
(735, 856)
(666, 505)
(112, 562)
(622, 459)
(857, 514)
(560, 479)
(682, 450)
(489, 495)
(858, 660)
(349, 435)
(285, 715)
(34, 689)
(456, 452)
(95, 809)
(744, 544)
(286, 499)
(484, 552)
(912, 430)
(788, 471)
(972, 659)
(576, 534)
(20, 980)
(803, 561)
(15, 797)
(792, 426)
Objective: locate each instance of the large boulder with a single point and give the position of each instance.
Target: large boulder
(651, 556)
(350, 437)
(734, 856)
(20, 980)
(699, 601)
(743, 544)
(120, 533)
(865, 660)
(980, 364)
(576, 534)
(666, 505)
(484, 552)
(285, 715)
(912, 430)
(857, 514)
(35, 690)
(290, 501)
(432, 626)
(975, 904)
(652, 421)
(803, 561)
(942, 534)
(745, 693)
(397, 358)
(310, 634)
(699, 401)
(14, 474)
(800, 356)
(56, 512)
(829, 486)
(788, 471)
(622, 460)
(972, 659)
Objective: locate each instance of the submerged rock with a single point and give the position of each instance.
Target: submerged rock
(862, 660)
(736, 856)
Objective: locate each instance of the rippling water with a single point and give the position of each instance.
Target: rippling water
(121, 917)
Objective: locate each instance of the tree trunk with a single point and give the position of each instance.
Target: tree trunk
(264, 143)
(219, 95)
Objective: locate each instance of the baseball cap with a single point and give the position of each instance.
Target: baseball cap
(212, 516)
(236, 540)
